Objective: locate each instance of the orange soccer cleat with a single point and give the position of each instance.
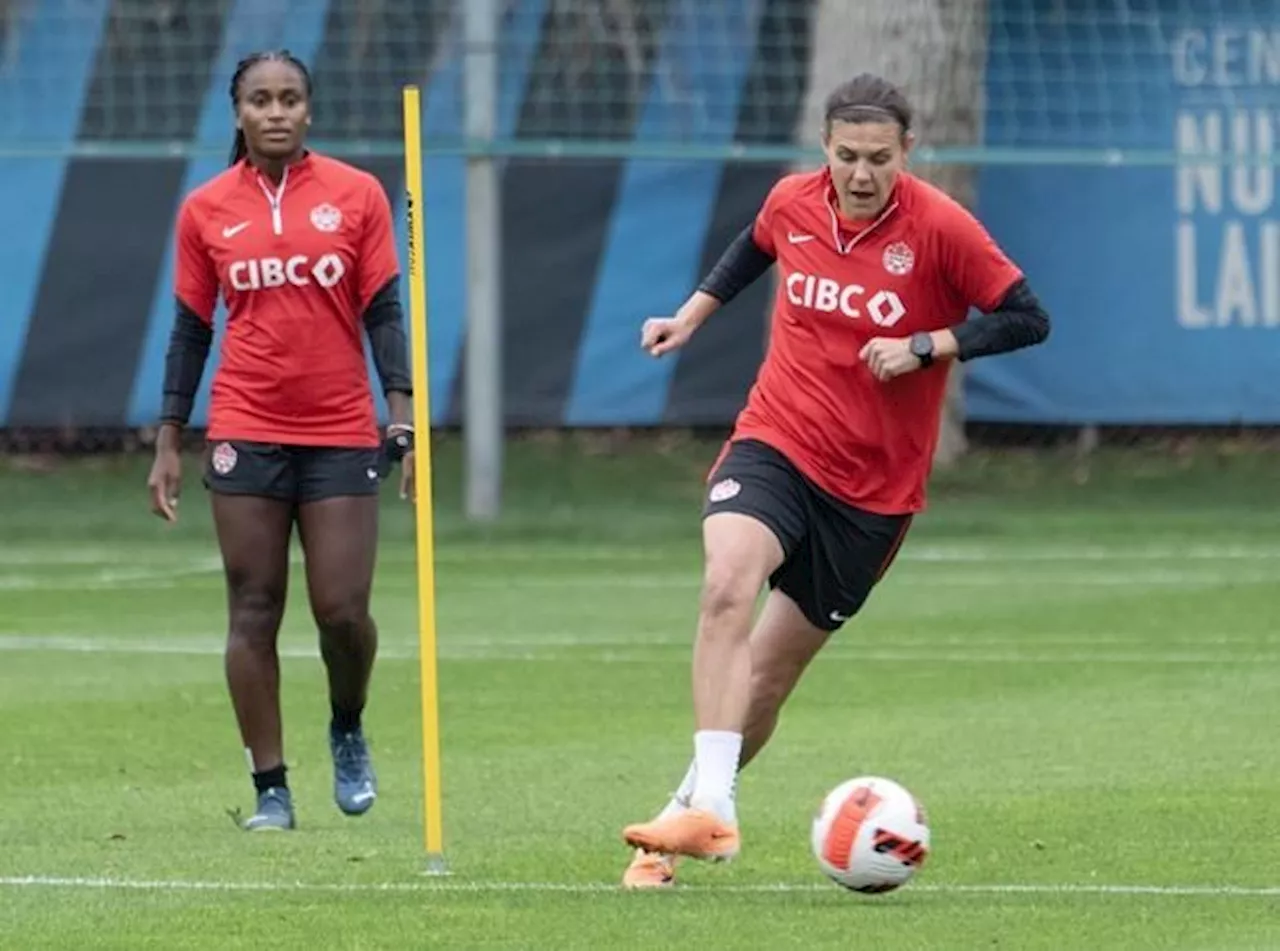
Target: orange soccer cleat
(693, 832)
(650, 870)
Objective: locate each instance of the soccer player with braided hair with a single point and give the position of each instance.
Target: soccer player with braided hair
(302, 251)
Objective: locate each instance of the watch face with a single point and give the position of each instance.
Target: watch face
(921, 345)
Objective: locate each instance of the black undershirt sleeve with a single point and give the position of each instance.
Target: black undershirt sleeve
(384, 323)
(1018, 321)
(742, 263)
(189, 342)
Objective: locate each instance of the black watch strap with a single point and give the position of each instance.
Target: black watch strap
(922, 348)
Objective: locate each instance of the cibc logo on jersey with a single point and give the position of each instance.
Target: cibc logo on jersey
(885, 308)
(260, 273)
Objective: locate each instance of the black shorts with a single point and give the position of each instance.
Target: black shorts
(296, 474)
(834, 553)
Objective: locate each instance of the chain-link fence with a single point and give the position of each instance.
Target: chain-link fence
(1121, 150)
(1083, 81)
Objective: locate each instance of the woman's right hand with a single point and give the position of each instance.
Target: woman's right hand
(661, 335)
(165, 481)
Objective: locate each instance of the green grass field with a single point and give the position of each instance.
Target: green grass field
(1078, 674)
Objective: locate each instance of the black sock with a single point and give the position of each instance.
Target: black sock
(344, 721)
(271, 779)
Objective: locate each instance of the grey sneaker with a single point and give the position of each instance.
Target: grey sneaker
(355, 787)
(275, 812)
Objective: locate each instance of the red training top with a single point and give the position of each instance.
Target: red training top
(297, 264)
(919, 266)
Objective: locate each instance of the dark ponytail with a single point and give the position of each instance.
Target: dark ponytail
(239, 146)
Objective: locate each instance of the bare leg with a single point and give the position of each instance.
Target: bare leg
(782, 646)
(339, 537)
(253, 534)
(783, 643)
(701, 820)
(740, 555)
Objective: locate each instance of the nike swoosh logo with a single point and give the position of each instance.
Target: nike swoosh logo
(798, 238)
(234, 230)
(362, 797)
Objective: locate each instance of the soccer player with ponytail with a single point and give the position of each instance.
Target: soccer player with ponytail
(827, 464)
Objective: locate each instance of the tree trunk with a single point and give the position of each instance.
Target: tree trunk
(935, 52)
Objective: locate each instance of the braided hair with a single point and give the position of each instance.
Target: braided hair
(239, 147)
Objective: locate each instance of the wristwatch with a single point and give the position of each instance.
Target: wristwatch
(922, 348)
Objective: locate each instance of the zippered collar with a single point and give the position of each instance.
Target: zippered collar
(294, 172)
(832, 203)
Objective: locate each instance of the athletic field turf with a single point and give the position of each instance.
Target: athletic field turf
(1078, 674)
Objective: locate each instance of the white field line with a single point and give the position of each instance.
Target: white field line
(1015, 552)
(1012, 552)
(109, 578)
(646, 638)
(1066, 566)
(653, 581)
(591, 888)
(562, 649)
(158, 577)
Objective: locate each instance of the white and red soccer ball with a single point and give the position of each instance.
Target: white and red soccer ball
(871, 835)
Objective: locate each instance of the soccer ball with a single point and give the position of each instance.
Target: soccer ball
(870, 835)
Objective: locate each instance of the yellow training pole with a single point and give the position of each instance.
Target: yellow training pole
(422, 478)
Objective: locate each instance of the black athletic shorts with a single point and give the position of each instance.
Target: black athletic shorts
(834, 552)
(290, 473)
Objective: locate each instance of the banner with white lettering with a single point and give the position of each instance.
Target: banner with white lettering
(1163, 280)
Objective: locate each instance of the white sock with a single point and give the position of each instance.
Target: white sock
(715, 761)
(684, 792)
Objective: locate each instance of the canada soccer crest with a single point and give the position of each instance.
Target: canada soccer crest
(899, 259)
(224, 458)
(725, 489)
(326, 218)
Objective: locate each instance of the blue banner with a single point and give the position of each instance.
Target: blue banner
(1164, 281)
